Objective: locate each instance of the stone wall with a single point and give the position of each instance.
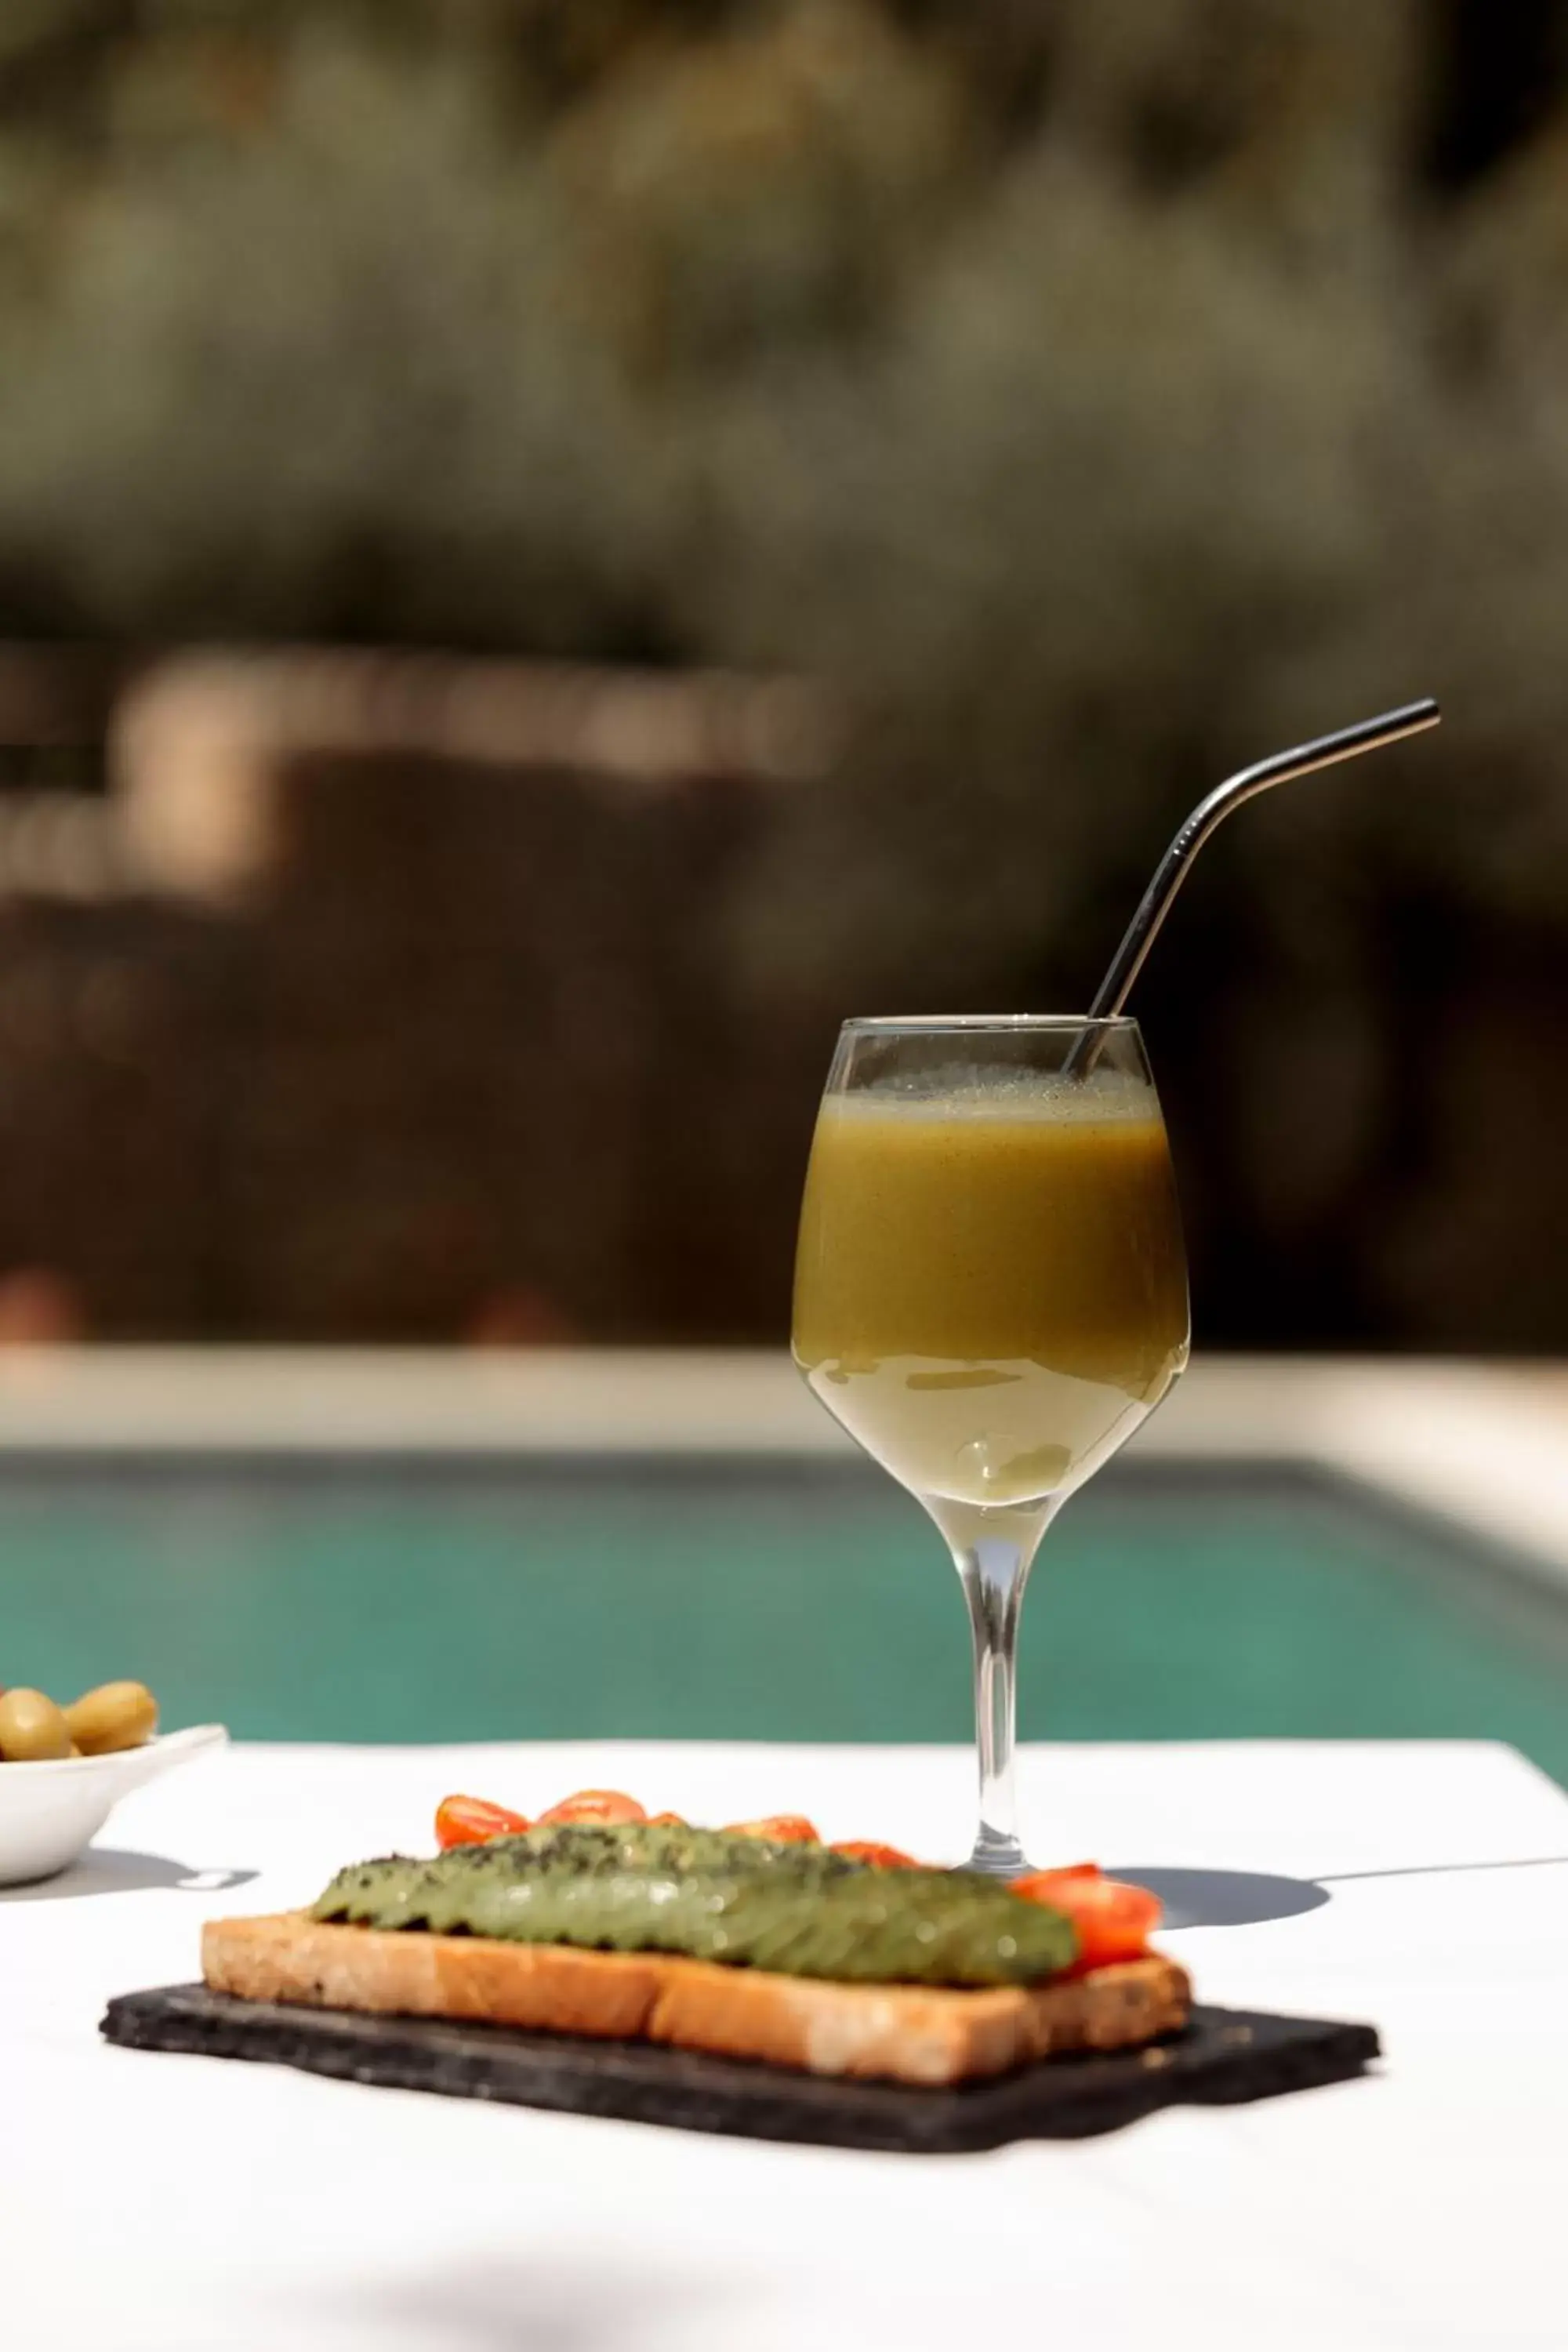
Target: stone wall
(356, 1044)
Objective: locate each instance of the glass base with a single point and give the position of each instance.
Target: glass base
(997, 1857)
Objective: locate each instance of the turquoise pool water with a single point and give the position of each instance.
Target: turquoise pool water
(761, 1601)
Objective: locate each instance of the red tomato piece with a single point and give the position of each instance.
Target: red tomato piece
(667, 1821)
(783, 1829)
(474, 1820)
(1043, 1885)
(880, 1857)
(1113, 1921)
(607, 1805)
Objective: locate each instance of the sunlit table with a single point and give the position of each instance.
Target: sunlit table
(160, 2204)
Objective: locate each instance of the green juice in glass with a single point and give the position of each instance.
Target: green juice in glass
(991, 1282)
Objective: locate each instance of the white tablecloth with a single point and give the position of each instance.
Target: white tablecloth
(160, 2204)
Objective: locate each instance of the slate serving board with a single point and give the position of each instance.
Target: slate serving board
(1224, 2055)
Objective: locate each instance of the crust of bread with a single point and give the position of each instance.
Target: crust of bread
(905, 2033)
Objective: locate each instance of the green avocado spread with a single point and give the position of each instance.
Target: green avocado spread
(709, 1894)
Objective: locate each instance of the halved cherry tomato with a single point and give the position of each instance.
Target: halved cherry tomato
(667, 1821)
(1113, 1921)
(474, 1820)
(609, 1805)
(783, 1829)
(880, 1857)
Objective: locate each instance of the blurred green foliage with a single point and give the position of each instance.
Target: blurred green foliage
(1107, 389)
(1101, 395)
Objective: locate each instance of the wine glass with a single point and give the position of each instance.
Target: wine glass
(991, 1295)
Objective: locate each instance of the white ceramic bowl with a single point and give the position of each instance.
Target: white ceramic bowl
(48, 1812)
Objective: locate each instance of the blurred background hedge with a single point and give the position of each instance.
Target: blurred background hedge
(1085, 399)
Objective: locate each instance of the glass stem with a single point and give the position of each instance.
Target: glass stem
(993, 1571)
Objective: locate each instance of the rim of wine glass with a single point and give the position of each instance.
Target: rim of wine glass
(939, 1021)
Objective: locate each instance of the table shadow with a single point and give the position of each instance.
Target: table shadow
(1244, 1899)
(1225, 1898)
(1442, 1869)
(116, 1870)
(487, 2305)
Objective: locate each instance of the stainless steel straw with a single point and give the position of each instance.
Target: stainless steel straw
(1370, 735)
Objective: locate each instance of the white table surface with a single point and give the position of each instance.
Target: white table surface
(162, 2204)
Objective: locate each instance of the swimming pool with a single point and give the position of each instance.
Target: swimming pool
(768, 1598)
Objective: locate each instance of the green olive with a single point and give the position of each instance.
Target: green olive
(32, 1728)
(115, 1716)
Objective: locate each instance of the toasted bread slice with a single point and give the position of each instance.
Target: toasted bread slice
(906, 2033)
